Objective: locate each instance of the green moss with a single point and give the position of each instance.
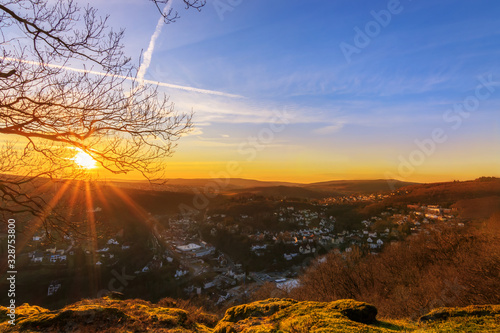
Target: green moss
(356, 311)
(469, 311)
(103, 315)
(281, 315)
(257, 309)
(465, 324)
(269, 316)
(107, 316)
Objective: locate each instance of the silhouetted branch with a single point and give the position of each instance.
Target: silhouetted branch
(126, 126)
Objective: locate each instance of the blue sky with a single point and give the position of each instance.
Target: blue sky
(347, 119)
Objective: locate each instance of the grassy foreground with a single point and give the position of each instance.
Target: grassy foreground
(272, 315)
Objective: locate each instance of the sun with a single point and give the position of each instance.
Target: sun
(84, 160)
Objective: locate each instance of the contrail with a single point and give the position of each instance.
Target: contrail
(149, 52)
(161, 84)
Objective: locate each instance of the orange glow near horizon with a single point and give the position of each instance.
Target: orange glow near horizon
(47, 211)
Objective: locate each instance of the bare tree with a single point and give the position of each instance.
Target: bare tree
(47, 112)
(172, 14)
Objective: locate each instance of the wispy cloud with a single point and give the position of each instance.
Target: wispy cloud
(161, 84)
(329, 129)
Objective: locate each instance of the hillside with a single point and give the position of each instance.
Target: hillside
(273, 188)
(282, 192)
(187, 185)
(358, 186)
(272, 315)
(450, 192)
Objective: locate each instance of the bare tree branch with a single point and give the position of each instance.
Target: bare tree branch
(125, 126)
(172, 15)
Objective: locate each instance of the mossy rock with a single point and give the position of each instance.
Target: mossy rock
(287, 315)
(257, 309)
(106, 316)
(356, 311)
(272, 315)
(442, 314)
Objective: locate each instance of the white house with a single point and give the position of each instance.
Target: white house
(54, 258)
(37, 257)
(112, 242)
(188, 248)
(207, 285)
(180, 273)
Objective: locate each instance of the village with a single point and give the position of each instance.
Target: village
(195, 254)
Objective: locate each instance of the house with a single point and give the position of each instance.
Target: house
(204, 252)
(380, 242)
(259, 247)
(196, 250)
(209, 284)
(112, 242)
(180, 273)
(188, 248)
(37, 257)
(306, 249)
